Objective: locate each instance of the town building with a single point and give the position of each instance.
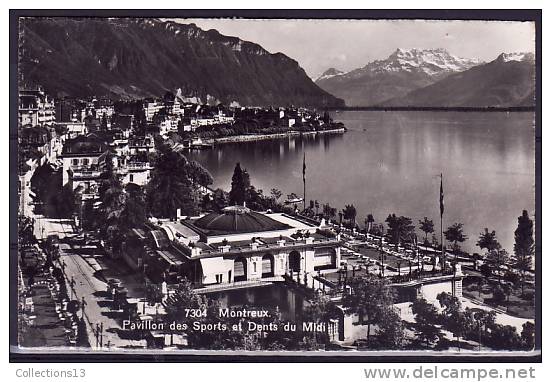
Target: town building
(36, 108)
(84, 159)
(138, 145)
(73, 129)
(134, 170)
(152, 107)
(235, 245)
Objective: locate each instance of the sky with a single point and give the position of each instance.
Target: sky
(349, 44)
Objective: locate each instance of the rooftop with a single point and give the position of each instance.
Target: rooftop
(237, 219)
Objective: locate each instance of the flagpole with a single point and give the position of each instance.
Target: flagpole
(441, 224)
(304, 182)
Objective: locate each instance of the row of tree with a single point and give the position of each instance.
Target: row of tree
(471, 324)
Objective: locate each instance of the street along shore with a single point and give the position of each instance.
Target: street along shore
(260, 137)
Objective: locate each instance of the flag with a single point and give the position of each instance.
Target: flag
(441, 197)
(304, 168)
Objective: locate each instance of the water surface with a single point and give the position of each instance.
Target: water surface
(390, 162)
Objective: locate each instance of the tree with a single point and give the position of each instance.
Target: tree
(498, 294)
(455, 320)
(219, 200)
(329, 212)
(524, 246)
(427, 226)
(349, 213)
(390, 331)
(240, 184)
(504, 337)
(455, 234)
(198, 174)
(112, 199)
(276, 194)
(400, 229)
(171, 187)
(319, 310)
(487, 240)
(370, 298)
(497, 258)
(528, 335)
(134, 211)
(426, 318)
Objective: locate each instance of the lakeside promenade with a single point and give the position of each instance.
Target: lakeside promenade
(261, 137)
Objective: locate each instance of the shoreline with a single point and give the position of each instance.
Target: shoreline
(262, 137)
(437, 108)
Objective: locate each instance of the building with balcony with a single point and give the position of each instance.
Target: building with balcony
(235, 246)
(36, 108)
(138, 145)
(84, 160)
(133, 171)
(73, 129)
(152, 107)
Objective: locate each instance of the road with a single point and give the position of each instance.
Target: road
(97, 309)
(86, 284)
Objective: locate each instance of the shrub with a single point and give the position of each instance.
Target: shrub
(486, 270)
(498, 294)
(511, 277)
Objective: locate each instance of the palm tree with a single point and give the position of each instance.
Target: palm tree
(497, 258)
(400, 228)
(349, 213)
(455, 234)
(427, 226)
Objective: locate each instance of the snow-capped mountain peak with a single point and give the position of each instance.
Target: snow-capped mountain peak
(331, 72)
(429, 61)
(516, 56)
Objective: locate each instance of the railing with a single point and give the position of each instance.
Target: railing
(82, 171)
(260, 247)
(238, 284)
(139, 166)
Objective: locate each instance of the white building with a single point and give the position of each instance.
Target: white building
(84, 160)
(36, 108)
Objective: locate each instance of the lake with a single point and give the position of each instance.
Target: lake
(390, 162)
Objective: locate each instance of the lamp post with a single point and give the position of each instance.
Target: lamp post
(72, 285)
(83, 306)
(418, 257)
(382, 259)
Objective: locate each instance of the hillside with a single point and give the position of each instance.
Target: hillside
(507, 81)
(132, 58)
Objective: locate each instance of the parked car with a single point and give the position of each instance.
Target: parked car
(112, 285)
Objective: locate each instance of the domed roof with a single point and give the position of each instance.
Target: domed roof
(237, 219)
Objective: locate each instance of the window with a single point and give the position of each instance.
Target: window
(131, 177)
(75, 162)
(254, 267)
(85, 161)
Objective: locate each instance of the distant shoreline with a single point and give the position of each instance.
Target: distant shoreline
(262, 137)
(435, 108)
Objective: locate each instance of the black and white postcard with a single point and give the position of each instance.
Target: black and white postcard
(192, 183)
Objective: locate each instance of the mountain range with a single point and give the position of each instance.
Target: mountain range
(435, 78)
(134, 58)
